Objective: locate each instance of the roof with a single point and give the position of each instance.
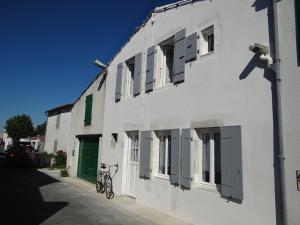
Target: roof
(103, 73)
(158, 9)
(60, 109)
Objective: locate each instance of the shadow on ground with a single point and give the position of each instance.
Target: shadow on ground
(21, 202)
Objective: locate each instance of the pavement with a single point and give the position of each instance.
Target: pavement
(32, 197)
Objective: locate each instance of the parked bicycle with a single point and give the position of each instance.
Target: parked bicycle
(104, 180)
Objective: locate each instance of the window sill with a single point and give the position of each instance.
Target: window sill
(207, 54)
(162, 177)
(206, 186)
(164, 87)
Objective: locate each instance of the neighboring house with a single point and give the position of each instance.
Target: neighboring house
(7, 140)
(190, 113)
(86, 131)
(58, 128)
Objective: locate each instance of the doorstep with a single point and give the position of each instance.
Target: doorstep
(125, 204)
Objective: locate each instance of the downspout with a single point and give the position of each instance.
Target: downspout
(280, 157)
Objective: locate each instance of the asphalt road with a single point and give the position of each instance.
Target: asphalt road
(30, 197)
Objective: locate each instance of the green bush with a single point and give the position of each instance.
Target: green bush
(64, 173)
(45, 159)
(60, 159)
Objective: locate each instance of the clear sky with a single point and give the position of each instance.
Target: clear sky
(47, 48)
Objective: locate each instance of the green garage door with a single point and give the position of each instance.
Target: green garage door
(88, 158)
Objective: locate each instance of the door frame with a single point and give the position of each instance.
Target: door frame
(128, 145)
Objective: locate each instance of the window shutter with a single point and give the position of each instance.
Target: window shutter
(150, 79)
(137, 74)
(88, 110)
(179, 63)
(175, 151)
(231, 162)
(145, 154)
(191, 48)
(186, 176)
(57, 121)
(118, 92)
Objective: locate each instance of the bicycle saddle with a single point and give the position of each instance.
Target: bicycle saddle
(103, 166)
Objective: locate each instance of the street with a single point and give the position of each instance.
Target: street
(31, 197)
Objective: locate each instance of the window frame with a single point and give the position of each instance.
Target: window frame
(198, 159)
(161, 76)
(128, 87)
(167, 154)
(205, 32)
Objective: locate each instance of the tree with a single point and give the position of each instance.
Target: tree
(19, 126)
(40, 129)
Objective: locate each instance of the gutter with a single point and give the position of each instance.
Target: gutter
(280, 172)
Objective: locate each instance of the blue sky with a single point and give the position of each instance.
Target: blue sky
(47, 48)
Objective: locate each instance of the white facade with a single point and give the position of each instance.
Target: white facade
(226, 87)
(7, 140)
(290, 71)
(58, 129)
(78, 127)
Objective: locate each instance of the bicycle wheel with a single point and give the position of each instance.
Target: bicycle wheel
(100, 184)
(109, 187)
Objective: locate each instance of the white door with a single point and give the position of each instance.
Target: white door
(133, 163)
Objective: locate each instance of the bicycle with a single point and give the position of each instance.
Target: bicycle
(104, 180)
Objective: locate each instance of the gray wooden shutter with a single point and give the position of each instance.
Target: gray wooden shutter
(145, 154)
(179, 63)
(231, 162)
(175, 155)
(150, 79)
(191, 48)
(119, 79)
(186, 176)
(137, 74)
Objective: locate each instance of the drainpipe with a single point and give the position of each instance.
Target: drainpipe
(280, 157)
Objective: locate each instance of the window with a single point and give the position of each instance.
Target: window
(57, 121)
(114, 140)
(163, 153)
(55, 146)
(208, 156)
(134, 146)
(129, 77)
(207, 41)
(166, 59)
(88, 110)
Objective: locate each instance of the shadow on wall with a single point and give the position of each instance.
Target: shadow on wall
(270, 76)
(21, 201)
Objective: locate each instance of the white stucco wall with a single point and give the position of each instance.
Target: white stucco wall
(290, 73)
(77, 124)
(215, 92)
(60, 134)
(7, 141)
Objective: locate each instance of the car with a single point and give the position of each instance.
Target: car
(21, 155)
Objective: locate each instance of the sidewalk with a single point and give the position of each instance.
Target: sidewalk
(124, 205)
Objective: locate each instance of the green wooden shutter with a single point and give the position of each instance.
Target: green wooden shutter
(88, 110)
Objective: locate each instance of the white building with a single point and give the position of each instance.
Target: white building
(200, 142)
(7, 140)
(58, 128)
(86, 130)
(190, 114)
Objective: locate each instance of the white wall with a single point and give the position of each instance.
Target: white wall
(61, 134)
(290, 73)
(216, 92)
(7, 141)
(77, 124)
